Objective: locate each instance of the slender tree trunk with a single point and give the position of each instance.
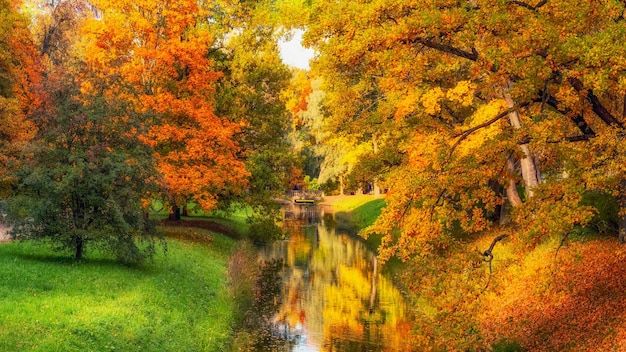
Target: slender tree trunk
(511, 187)
(78, 255)
(175, 213)
(375, 181)
(512, 195)
(185, 213)
(527, 162)
(376, 189)
(341, 185)
(622, 211)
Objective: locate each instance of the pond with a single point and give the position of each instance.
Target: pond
(325, 291)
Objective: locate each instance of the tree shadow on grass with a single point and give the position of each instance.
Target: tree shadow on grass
(64, 259)
(42, 253)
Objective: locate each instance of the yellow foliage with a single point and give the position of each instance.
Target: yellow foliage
(422, 152)
(463, 93)
(356, 154)
(431, 99)
(480, 136)
(407, 105)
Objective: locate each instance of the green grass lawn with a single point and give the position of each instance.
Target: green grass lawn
(350, 203)
(177, 302)
(354, 213)
(365, 214)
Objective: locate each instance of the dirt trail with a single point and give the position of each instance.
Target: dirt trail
(4, 233)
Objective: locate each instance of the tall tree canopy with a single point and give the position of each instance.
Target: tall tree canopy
(250, 92)
(194, 86)
(20, 88)
(477, 99)
(473, 109)
(155, 54)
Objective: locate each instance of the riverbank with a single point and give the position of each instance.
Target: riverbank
(353, 213)
(348, 202)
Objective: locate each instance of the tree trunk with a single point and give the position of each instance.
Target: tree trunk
(78, 255)
(375, 181)
(622, 227)
(622, 211)
(527, 162)
(175, 213)
(185, 213)
(376, 189)
(341, 186)
(511, 187)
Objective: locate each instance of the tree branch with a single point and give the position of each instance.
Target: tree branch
(596, 105)
(488, 254)
(468, 132)
(577, 119)
(528, 6)
(556, 253)
(523, 4)
(473, 55)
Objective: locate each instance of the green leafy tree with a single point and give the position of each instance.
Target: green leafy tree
(250, 93)
(86, 183)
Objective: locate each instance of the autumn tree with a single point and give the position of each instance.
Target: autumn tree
(483, 105)
(20, 89)
(85, 176)
(156, 56)
(250, 92)
(444, 73)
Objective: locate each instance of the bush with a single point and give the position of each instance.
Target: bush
(606, 219)
(507, 346)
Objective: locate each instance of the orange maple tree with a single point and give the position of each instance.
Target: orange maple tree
(20, 87)
(154, 54)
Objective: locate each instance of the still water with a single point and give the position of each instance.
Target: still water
(325, 291)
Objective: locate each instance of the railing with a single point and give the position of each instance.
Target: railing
(305, 194)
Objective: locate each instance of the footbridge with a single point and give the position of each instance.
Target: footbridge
(305, 196)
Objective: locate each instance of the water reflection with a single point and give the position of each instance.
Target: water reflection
(333, 296)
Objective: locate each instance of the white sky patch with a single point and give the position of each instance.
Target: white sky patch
(293, 53)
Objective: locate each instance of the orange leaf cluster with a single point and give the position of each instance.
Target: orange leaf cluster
(158, 50)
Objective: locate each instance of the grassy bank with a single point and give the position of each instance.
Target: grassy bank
(178, 302)
(354, 213)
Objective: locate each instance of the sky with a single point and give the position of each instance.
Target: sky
(293, 53)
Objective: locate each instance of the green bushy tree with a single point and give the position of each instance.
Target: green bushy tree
(85, 183)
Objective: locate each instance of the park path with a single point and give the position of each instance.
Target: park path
(4, 233)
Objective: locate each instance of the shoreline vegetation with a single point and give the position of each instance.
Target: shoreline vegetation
(99, 304)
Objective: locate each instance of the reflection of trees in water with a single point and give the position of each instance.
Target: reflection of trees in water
(332, 295)
(258, 321)
(310, 213)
